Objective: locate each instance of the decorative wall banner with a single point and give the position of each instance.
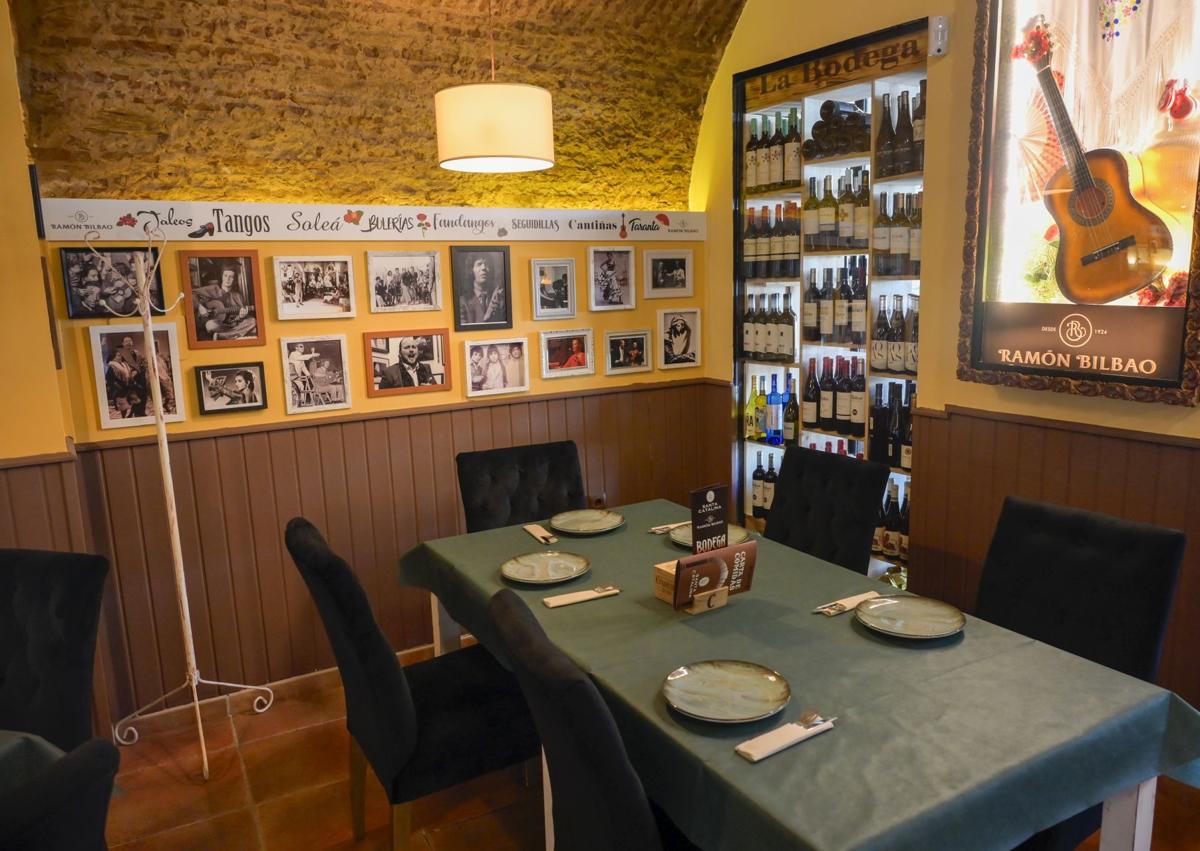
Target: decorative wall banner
(68, 219)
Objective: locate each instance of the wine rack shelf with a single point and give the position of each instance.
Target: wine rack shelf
(907, 177)
(840, 159)
(777, 363)
(848, 347)
(836, 252)
(784, 192)
(778, 282)
(884, 279)
(894, 376)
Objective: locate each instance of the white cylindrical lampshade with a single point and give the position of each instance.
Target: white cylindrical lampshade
(494, 127)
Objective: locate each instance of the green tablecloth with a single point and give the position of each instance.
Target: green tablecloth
(23, 755)
(970, 742)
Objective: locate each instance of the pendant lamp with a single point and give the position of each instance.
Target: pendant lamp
(494, 127)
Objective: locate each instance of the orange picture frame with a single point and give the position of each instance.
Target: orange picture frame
(247, 260)
(382, 351)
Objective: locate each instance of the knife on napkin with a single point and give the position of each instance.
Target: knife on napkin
(843, 605)
(781, 738)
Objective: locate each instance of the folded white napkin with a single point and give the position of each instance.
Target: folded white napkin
(781, 738)
(845, 604)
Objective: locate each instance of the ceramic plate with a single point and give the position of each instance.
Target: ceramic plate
(586, 521)
(682, 535)
(910, 617)
(545, 568)
(726, 691)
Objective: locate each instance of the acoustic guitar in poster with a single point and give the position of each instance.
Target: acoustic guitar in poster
(1111, 243)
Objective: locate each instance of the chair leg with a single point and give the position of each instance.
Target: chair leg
(401, 825)
(358, 778)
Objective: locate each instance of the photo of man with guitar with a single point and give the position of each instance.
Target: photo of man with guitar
(222, 299)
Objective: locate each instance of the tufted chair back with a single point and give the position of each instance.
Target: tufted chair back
(1087, 583)
(826, 505)
(519, 484)
(49, 612)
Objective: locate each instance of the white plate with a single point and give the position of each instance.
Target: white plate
(726, 691)
(545, 568)
(682, 535)
(586, 521)
(910, 617)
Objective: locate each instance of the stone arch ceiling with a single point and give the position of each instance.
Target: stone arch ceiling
(332, 100)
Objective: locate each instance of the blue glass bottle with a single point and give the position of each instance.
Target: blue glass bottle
(775, 414)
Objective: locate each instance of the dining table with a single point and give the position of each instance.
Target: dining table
(972, 741)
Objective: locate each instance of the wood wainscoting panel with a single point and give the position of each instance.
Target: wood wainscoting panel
(965, 462)
(376, 486)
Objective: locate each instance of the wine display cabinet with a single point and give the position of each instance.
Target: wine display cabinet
(828, 186)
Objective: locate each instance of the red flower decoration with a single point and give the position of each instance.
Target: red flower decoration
(127, 220)
(662, 217)
(1034, 47)
(421, 217)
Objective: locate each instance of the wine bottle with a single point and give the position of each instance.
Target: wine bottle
(820, 139)
(810, 407)
(760, 410)
(911, 321)
(791, 242)
(842, 399)
(842, 109)
(879, 338)
(769, 481)
(895, 350)
(748, 328)
(827, 413)
(858, 302)
(827, 239)
(775, 166)
(891, 522)
(898, 237)
(918, 125)
(858, 400)
(885, 141)
(843, 295)
(895, 422)
(774, 414)
(862, 212)
(914, 239)
(762, 255)
(877, 441)
(881, 238)
(906, 429)
(787, 330)
(755, 323)
(763, 171)
(904, 518)
(902, 150)
(750, 425)
(812, 217)
(778, 237)
(825, 308)
(846, 204)
(809, 310)
(750, 177)
(792, 143)
(756, 488)
(750, 246)
(791, 416)
(770, 335)
(880, 523)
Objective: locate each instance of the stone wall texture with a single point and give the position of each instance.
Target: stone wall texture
(332, 100)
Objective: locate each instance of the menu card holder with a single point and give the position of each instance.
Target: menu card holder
(701, 583)
(706, 601)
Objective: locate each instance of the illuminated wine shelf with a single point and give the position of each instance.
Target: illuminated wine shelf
(779, 282)
(907, 177)
(779, 363)
(894, 376)
(884, 279)
(853, 347)
(839, 158)
(788, 192)
(836, 252)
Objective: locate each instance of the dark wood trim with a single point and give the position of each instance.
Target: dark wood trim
(932, 413)
(301, 421)
(54, 341)
(64, 457)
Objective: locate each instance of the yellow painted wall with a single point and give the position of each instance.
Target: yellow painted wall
(77, 354)
(31, 418)
(769, 30)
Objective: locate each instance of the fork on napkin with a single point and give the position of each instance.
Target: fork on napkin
(781, 738)
(667, 527)
(844, 605)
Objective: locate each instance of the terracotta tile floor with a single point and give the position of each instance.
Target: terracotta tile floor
(281, 781)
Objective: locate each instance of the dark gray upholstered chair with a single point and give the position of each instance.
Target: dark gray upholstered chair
(1086, 583)
(826, 505)
(64, 807)
(598, 800)
(49, 612)
(519, 484)
(424, 728)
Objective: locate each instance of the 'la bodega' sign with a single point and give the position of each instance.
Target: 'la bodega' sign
(69, 219)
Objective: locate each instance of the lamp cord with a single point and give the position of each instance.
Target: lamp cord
(492, 39)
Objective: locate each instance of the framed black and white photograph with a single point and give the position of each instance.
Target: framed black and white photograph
(122, 373)
(496, 366)
(401, 281)
(94, 291)
(668, 273)
(230, 387)
(222, 298)
(611, 278)
(314, 287)
(566, 353)
(315, 373)
(680, 334)
(409, 361)
(628, 351)
(553, 288)
(482, 287)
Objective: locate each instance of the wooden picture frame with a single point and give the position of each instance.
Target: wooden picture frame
(383, 351)
(243, 265)
(208, 388)
(991, 46)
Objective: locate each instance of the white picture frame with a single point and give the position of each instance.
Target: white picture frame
(558, 350)
(316, 275)
(398, 294)
(617, 350)
(514, 378)
(612, 279)
(326, 385)
(668, 273)
(548, 294)
(121, 374)
(672, 337)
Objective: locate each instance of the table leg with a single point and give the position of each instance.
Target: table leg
(447, 634)
(547, 804)
(1129, 818)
